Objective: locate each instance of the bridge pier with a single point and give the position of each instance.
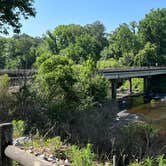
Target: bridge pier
(146, 85)
(130, 85)
(158, 83)
(113, 88)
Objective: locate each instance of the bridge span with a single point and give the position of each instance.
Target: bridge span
(132, 72)
(18, 73)
(113, 74)
(128, 73)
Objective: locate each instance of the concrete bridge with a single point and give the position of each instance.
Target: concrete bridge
(128, 73)
(19, 77)
(111, 73)
(133, 72)
(18, 73)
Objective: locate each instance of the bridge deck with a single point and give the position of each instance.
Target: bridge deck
(18, 72)
(110, 73)
(132, 72)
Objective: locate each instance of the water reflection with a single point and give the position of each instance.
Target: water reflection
(154, 112)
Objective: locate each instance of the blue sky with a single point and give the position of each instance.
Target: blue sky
(51, 13)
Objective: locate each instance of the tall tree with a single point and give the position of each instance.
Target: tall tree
(97, 30)
(62, 37)
(77, 42)
(84, 47)
(153, 29)
(147, 56)
(122, 43)
(20, 51)
(11, 12)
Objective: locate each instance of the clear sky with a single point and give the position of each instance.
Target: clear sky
(51, 13)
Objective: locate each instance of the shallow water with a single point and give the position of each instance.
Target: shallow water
(154, 112)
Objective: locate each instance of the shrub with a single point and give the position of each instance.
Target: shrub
(4, 81)
(54, 144)
(56, 77)
(134, 140)
(91, 84)
(7, 100)
(4, 85)
(81, 157)
(151, 161)
(18, 128)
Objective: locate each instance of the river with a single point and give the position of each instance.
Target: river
(153, 110)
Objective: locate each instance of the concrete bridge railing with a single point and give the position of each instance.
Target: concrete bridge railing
(8, 152)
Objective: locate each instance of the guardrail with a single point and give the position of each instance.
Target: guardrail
(8, 152)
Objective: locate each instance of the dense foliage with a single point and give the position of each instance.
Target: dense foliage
(18, 51)
(11, 13)
(138, 44)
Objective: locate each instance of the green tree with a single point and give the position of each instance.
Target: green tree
(108, 63)
(11, 13)
(84, 47)
(3, 42)
(56, 77)
(21, 51)
(77, 42)
(152, 29)
(122, 43)
(97, 30)
(147, 56)
(90, 83)
(62, 37)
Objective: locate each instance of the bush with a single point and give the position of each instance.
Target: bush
(56, 77)
(54, 144)
(18, 128)
(150, 161)
(91, 84)
(7, 100)
(81, 157)
(4, 83)
(134, 140)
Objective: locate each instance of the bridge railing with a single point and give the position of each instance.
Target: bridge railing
(18, 71)
(132, 69)
(33, 71)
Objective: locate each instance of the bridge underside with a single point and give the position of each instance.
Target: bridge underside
(147, 73)
(150, 84)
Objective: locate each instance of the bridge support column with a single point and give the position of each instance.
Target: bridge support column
(130, 86)
(146, 85)
(113, 86)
